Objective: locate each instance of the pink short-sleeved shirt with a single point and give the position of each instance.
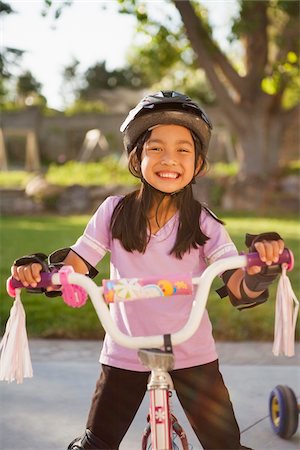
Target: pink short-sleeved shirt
(160, 315)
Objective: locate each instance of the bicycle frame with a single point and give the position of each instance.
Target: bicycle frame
(159, 385)
(158, 361)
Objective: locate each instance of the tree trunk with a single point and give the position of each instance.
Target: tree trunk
(259, 142)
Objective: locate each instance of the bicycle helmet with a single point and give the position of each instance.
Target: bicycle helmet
(165, 107)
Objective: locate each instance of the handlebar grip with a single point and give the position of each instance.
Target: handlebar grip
(12, 283)
(286, 257)
(72, 294)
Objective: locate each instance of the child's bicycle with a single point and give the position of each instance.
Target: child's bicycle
(155, 352)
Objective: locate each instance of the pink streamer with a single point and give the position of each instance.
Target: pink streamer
(286, 312)
(15, 361)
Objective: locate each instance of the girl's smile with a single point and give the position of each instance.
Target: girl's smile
(168, 174)
(168, 158)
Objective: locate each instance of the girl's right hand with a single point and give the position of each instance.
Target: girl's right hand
(29, 274)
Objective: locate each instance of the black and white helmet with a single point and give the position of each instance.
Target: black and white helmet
(165, 107)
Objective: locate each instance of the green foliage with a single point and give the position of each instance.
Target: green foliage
(9, 58)
(161, 45)
(5, 8)
(27, 83)
(291, 168)
(97, 77)
(285, 76)
(221, 169)
(82, 106)
(193, 80)
(10, 106)
(52, 318)
(288, 6)
(14, 178)
(55, 7)
(107, 172)
(165, 46)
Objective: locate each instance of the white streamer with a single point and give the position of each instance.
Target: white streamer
(286, 312)
(15, 361)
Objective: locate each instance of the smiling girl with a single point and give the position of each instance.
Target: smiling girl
(159, 230)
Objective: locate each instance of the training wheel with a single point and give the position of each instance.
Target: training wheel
(283, 411)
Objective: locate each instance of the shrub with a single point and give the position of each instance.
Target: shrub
(108, 171)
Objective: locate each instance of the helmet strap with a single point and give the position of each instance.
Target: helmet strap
(167, 193)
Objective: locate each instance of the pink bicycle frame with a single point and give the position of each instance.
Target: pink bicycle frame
(159, 386)
(160, 419)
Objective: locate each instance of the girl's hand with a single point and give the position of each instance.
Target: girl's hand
(269, 252)
(29, 274)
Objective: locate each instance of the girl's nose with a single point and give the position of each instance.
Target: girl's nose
(168, 159)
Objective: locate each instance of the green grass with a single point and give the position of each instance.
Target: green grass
(46, 317)
(52, 318)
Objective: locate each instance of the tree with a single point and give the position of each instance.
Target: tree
(71, 81)
(261, 98)
(24, 87)
(87, 91)
(29, 90)
(9, 57)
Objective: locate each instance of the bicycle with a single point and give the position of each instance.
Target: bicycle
(155, 352)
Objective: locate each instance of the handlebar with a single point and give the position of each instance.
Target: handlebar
(135, 342)
(286, 257)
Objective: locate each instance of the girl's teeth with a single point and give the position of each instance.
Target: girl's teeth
(168, 175)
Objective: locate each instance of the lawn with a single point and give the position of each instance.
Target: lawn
(49, 318)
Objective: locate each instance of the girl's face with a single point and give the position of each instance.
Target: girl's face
(168, 158)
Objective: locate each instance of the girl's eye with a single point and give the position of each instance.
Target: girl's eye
(184, 150)
(154, 149)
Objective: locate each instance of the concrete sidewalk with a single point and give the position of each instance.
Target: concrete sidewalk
(49, 410)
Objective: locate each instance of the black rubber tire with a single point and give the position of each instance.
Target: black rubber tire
(283, 411)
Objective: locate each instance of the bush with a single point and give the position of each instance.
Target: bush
(14, 178)
(107, 172)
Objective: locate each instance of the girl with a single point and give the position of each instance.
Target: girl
(161, 229)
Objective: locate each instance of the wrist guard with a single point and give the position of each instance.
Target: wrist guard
(262, 280)
(50, 264)
(60, 255)
(41, 259)
(245, 301)
(256, 283)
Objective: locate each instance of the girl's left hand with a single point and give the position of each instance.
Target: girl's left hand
(269, 252)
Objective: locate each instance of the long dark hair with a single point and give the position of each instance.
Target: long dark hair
(130, 223)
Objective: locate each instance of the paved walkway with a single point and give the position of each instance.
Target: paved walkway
(49, 410)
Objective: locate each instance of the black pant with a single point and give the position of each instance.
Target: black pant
(201, 392)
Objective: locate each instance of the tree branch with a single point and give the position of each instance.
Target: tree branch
(254, 15)
(209, 58)
(289, 38)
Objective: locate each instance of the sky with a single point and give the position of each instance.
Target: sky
(84, 31)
